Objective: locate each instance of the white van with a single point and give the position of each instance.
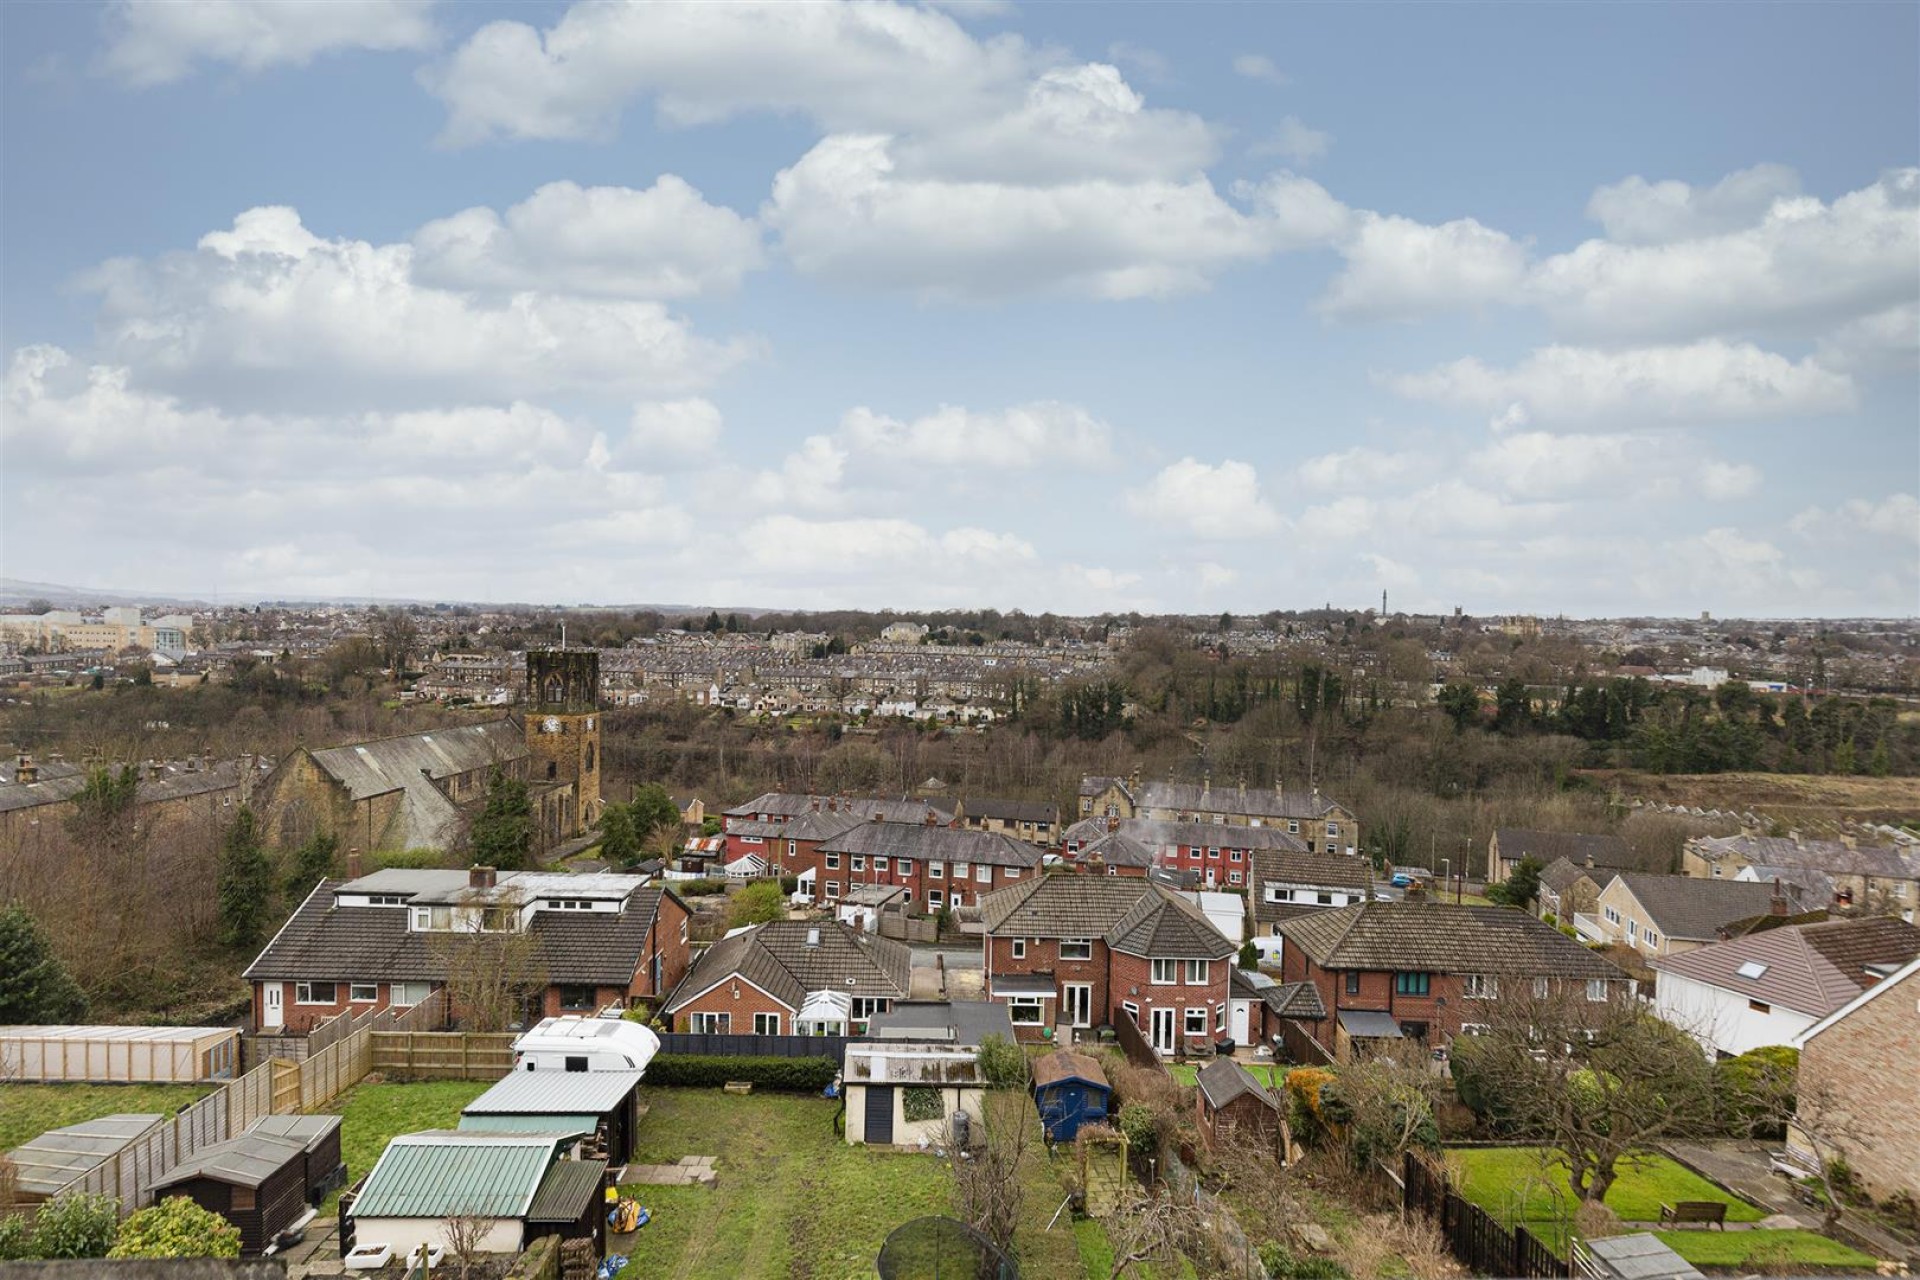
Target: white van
(585, 1044)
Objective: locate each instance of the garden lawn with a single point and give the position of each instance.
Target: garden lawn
(29, 1110)
(1273, 1077)
(1512, 1185)
(371, 1115)
(1764, 1249)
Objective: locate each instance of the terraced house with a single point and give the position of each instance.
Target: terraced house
(1215, 855)
(1321, 823)
(940, 868)
(1067, 953)
(1881, 879)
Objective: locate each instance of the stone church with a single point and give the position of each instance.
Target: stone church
(419, 790)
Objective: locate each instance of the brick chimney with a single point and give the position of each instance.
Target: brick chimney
(816, 804)
(932, 819)
(24, 769)
(879, 817)
(479, 877)
(1777, 905)
(353, 863)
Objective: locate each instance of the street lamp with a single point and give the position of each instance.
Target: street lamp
(1448, 864)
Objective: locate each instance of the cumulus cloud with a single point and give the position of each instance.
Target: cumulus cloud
(270, 309)
(153, 42)
(670, 431)
(1883, 342)
(809, 477)
(1895, 516)
(1017, 439)
(1707, 381)
(1258, 66)
(1210, 501)
(1635, 211)
(1293, 141)
(1398, 268)
(661, 242)
(1213, 577)
(1358, 467)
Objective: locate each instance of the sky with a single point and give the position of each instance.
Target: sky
(1583, 309)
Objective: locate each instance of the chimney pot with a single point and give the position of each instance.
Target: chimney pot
(480, 877)
(876, 817)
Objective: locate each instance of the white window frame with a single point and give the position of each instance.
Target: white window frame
(1169, 968)
(793, 848)
(1018, 1005)
(706, 1023)
(355, 988)
(759, 1024)
(982, 873)
(960, 870)
(1480, 986)
(1475, 1028)
(934, 900)
(879, 864)
(1233, 877)
(1293, 828)
(1234, 855)
(1195, 1012)
(859, 862)
(904, 866)
(1083, 948)
(1019, 949)
(831, 889)
(936, 870)
(833, 862)
(1009, 873)
(1197, 972)
(303, 993)
(1597, 990)
(1333, 830)
(1220, 1017)
(1539, 988)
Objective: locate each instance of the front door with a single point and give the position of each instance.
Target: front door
(1240, 1020)
(1076, 1004)
(880, 1114)
(272, 1013)
(1164, 1029)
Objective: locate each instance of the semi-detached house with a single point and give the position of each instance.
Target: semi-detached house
(1070, 952)
(940, 868)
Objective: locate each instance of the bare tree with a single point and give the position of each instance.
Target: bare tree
(465, 1233)
(493, 974)
(1147, 1227)
(987, 1175)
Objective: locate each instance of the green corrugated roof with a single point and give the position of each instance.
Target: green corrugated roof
(569, 1187)
(443, 1171)
(530, 1124)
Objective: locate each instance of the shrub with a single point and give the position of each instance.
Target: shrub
(1283, 1264)
(16, 1238)
(710, 1071)
(1750, 1091)
(76, 1226)
(1141, 1128)
(697, 888)
(176, 1228)
(1306, 1089)
(1003, 1064)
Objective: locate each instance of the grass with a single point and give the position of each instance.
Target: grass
(1709, 1248)
(1272, 1076)
(1514, 1185)
(29, 1110)
(372, 1115)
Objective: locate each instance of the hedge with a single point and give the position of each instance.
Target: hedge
(699, 1070)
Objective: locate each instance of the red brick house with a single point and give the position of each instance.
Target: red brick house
(787, 843)
(386, 940)
(1069, 952)
(1389, 972)
(941, 868)
(791, 977)
(1216, 855)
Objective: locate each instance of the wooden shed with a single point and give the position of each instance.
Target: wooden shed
(601, 1106)
(255, 1181)
(118, 1055)
(322, 1166)
(1228, 1097)
(57, 1157)
(1070, 1090)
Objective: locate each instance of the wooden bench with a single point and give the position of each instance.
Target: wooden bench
(1701, 1211)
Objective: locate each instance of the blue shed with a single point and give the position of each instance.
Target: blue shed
(1070, 1090)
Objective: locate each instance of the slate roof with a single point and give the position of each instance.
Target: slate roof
(1694, 909)
(1131, 914)
(322, 942)
(933, 844)
(1252, 802)
(777, 958)
(1890, 862)
(1010, 810)
(1812, 969)
(1118, 849)
(62, 781)
(790, 804)
(412, 763)
(1609, 852)
(1157, 833)
(1223, 1081)
(1561, 875)
(1440, 937)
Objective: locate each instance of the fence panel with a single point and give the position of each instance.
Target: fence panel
(443, 1055)
(746, 1046)
(1133, 1042)
(1477, 1240)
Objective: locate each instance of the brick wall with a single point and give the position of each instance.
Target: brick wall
(739, 1001)
(1868, 1063)
(1131, 981)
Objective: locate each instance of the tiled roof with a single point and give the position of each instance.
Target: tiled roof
(1223, 1080)
(933, 844)
(1252, 802)
(779, 959)
(1300, 869)
(1812, 969)
(1693, 909)
(1010, 810)
(1296, 1000)
(1117, 848)
(1131, 914)
(1835, 857)
(790, 804)
(1440, 937)
(1168, 926)
(1609, 852)
(1561, 875)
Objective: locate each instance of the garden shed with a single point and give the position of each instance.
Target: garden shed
(1070, 1089)
(515, 1184)
(319, 1136)
(58, 1156)
(1227, 1097)
(256, 1181)
(901, 1093)
(118, 1055)
(600, 1106)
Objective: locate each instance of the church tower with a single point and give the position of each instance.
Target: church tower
(563, 726)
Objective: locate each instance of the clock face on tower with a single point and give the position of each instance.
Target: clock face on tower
(551, 724)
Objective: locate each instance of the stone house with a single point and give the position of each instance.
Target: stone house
(1669, 915)
(1862, 1062)
(1323, 824)
(1882, 879)
(1508, 846)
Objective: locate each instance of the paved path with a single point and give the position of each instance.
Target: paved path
(688, 1171)
(1740, 1165)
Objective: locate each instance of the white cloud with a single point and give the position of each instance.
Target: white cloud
(1725, 481)
(1635, 211)
(867, 66)
(1398, 268)
(1341, 520)
(1150, 63)
(1357, 467)
(1883, 342)
(833, 548)
(1705, 382)
(661, 242)
(1292, 140)
(1221, 501)
(153, 42)
(269, 309)
(1895, 516)
(1017, 439)
(1258, 66)
(1804, 263)
(1213, 576)
(808, 478)
(1620, 468)
(672, 430)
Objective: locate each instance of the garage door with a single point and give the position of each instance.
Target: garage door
(880, 1114)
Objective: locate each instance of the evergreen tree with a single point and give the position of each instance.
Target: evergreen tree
(503, 833)
(618, 843)
(246, 884)
(713, 621)
(34, 986)
(312, 862)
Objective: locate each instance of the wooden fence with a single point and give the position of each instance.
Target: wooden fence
(745, 1046)
(1133, 1043)
(1301, 1046)
(443, 1055)
(1476, 1239)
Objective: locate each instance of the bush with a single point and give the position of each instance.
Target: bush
(1750, 1091)
(1282, 1264)
(76, 1226)
(1306, 1090)
(176, 1228)
(16, 1239)
(1141, 1128)
(697, 888)
(710, 1071)
(1003, 1064)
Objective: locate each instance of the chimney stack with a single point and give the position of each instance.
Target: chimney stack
(353, 862)
(931, 820)
(815, 802)
(25, 770)
(480, 877)
(1777, 905)
(878, 817)
(1113, 822)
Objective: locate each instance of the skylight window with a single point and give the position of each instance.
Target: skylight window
(1751, 969)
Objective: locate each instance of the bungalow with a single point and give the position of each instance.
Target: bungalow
(1668, 915)
(1873, 1109)
(388, 941)
(1508, 846)
(791, 977)
(1068, 952)
(1767, 988)
(1393, 971)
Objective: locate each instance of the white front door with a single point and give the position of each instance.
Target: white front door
(1076, 1004)
(272, 1015)
(1237, 1025)
(1164, 1029)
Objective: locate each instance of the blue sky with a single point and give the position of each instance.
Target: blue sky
(1587, 309)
